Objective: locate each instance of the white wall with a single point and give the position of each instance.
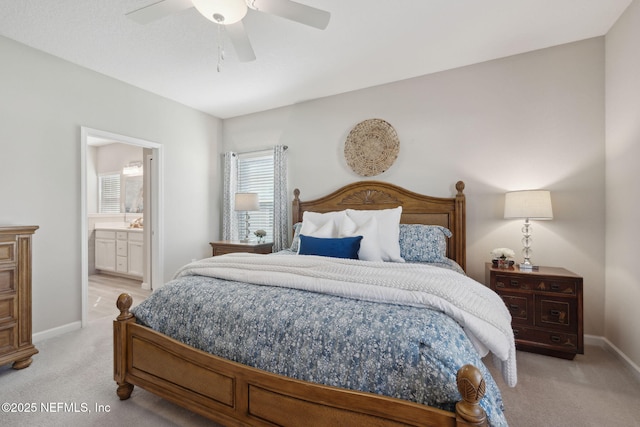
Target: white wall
(44, 102)
(623, 183)
(529, 121)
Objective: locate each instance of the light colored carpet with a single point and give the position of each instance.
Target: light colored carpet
(75, 370)
(595, 389)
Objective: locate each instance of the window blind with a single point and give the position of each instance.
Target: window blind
(109, 193)
(256, 175)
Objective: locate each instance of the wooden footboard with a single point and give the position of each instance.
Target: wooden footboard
(234, 394)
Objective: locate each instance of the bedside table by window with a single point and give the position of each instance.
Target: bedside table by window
(545, 306)
(228, 246)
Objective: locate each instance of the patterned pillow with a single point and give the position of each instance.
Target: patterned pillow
(423, 243)
(295, 243)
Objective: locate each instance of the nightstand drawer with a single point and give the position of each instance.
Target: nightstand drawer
(565, 287)
(520, 307)
(534, 283)
(228, 246)
(225, 250)
(556, 313)
(558, 340)
(511, 282)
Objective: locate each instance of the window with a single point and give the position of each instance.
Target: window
(255, 175)
(109, 193)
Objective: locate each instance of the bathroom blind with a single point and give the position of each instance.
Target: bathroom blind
(109, 193)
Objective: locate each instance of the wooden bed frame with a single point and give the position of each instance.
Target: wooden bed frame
(416, 209)
(237, 395)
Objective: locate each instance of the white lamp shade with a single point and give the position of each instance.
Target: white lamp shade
(531, 204)
(247, 202)
(222, 11)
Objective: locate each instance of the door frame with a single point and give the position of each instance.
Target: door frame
(155, 259)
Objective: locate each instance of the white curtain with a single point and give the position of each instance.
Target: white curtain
(281, 224)
(230, 184)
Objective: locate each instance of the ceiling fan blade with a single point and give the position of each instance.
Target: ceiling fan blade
(158, 10)
(293, 11)
(240, 42)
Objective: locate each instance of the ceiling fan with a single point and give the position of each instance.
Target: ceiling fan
(229, 13)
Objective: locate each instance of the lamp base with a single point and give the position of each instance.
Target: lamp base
(244, 240)
(528, 267)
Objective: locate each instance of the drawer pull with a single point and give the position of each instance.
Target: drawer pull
(514, 283)
(555, 338)
(513, 307)
(555, 313)
(499, 284)
(515, 333)
(555, 287)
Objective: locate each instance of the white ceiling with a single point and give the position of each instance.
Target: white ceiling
(367, 43)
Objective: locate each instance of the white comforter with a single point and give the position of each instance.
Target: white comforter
(479, 310)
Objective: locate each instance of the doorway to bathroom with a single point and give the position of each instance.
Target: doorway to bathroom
(121, 219)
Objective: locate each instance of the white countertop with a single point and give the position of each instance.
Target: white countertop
(116, 226)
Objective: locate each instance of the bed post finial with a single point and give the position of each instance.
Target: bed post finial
(472, 387)
(120, 343)
(295, 211)
(124, 303)
(461, 226)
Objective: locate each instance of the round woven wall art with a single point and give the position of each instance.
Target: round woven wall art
(371, 147)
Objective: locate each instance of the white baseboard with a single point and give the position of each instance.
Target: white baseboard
(605, 343)
(594, 340)
(54, 332)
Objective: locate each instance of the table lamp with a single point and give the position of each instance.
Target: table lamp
(528, 204)
(246, 202)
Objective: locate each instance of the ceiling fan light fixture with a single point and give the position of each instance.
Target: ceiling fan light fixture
(222, 11)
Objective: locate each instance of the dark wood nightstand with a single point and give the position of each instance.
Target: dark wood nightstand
(228, 246)
(546, 308)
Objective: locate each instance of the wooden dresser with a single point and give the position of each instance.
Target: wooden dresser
(545, 306)
(228, 246)
(15, 296)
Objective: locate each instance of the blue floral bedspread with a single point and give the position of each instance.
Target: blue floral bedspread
(405, 352)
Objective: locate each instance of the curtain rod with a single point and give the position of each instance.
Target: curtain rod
(257, 151)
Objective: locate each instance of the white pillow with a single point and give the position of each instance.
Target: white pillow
(370, 244)
(323, 225)
(388, 229)
(322, 217)
(310, 228)
(319, 219)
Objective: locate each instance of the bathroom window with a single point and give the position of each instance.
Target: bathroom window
(109, 193)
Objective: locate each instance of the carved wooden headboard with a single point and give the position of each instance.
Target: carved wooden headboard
(416, 208)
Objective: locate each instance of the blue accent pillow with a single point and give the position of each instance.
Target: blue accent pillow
(343, 247)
